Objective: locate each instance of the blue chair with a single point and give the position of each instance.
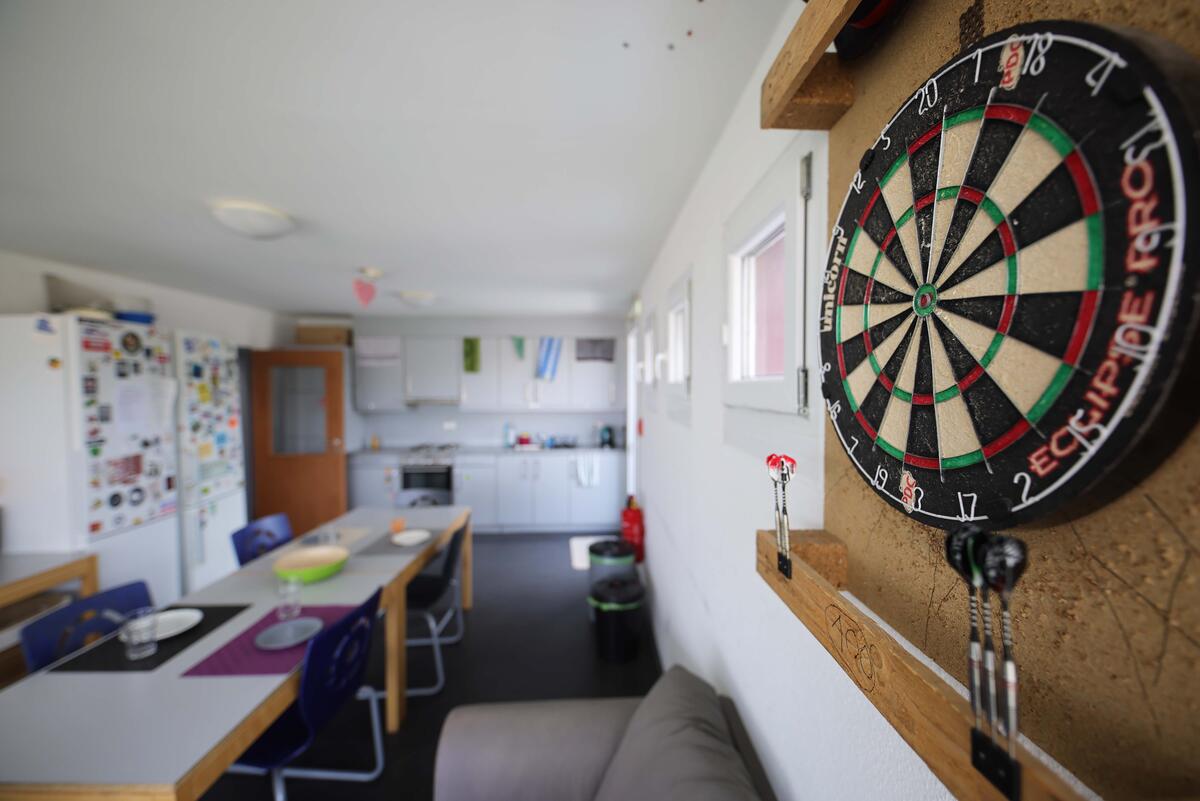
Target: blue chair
(333, 669)
(265, 534)
(425, 592)
(63, 631)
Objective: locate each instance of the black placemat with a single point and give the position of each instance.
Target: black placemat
(110, 654)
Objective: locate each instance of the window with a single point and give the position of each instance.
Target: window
(772, 258)
(678, 387)
(761, 333)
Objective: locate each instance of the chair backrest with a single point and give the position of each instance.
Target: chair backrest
(53, 636)
(453, 552)
(265, 534)
(335, 663)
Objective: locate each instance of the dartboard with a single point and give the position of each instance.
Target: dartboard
(1010, 288)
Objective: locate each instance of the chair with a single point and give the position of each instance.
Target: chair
(265, 534)
(424, 593)
(333, 668)
(63, 631)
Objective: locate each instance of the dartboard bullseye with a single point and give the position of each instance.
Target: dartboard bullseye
(1010, 288)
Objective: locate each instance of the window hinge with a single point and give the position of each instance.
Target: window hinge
(802, 389)
(806, 177)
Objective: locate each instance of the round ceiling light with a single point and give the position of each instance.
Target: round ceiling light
(252, 219)
(416, 297)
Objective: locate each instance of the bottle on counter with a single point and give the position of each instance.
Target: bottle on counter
(374, 442)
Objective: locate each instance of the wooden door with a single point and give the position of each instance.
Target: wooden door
(299, 458)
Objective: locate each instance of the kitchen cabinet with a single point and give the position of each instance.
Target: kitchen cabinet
(596, 489)
(520, 388)
(559, 490)
(476, 485)
(515, 488)
(379, 374)
(481, 390)
(433, 369)
(596, 384)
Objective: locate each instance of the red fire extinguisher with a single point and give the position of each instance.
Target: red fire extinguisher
(633, 528)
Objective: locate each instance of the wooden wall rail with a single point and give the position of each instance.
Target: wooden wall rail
(929, 714)
(805, 87)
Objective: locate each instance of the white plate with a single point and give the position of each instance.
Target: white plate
(414, 536)
(288, 633)
(170, 622)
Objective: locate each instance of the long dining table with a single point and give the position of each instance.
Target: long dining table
(160, 734)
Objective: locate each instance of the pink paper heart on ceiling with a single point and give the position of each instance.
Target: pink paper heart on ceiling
(364, 291)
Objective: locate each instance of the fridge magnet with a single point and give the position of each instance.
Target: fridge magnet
(95, 527)
(104, 412)
(122, 369)
(89, 385)
(131, 342)
(54, 362)
(115, 500)
(44, 326)
(118, 521)
(137, 368)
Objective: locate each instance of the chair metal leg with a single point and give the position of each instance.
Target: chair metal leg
(367, 694)
(455, 612)
(372, 698)
(277, 788)
(438, 667)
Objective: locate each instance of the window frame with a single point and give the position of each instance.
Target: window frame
(678, 393)
(777, 202)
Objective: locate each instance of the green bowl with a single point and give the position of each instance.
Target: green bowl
(312, 564)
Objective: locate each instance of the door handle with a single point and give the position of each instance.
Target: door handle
(537, 468)
(336, 443)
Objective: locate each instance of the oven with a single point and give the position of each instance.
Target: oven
(426, 485)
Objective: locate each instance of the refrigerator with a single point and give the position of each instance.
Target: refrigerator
(212, 476)
(87, 446)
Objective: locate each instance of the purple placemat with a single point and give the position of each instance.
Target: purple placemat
(241, 657)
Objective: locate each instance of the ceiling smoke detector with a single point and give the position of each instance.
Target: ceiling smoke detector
(416, 297)
(251, 218)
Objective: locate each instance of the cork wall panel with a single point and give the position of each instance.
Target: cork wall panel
(1107, 618)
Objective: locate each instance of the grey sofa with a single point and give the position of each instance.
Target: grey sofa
(681, 741)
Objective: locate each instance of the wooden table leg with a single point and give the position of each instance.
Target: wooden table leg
(89, 580)
(396, 668)
(468, 572)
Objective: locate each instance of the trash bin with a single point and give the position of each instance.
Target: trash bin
(617, 603)
(609, 559)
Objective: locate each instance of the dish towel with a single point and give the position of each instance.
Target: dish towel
(470, 354)
(549, 349)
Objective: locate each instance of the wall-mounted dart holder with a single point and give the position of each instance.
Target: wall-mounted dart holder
(931, 715)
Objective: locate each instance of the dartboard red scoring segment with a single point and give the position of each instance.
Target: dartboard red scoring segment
(1009, 294)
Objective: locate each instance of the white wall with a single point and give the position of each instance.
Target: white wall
(705, 490)
(23, 291)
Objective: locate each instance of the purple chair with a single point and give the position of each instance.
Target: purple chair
(265, 534)
(63, 631)
(333, 669)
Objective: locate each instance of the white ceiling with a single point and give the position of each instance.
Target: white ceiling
(513, 156)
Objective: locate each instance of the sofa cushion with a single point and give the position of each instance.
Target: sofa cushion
(677, 746)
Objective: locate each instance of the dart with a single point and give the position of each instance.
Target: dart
(957, 556)
(773, 470)
(1004, 560)
(976, 544)
(787, 469)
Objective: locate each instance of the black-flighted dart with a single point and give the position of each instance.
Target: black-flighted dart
(1004, 560)
(959, 559)
(976, 545)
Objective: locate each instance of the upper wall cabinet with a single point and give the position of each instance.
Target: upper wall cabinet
(378, 374)
(597, 380)
(480, 373)
(434, 367)
(535, 373)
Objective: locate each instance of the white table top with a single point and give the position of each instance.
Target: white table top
(151, 727)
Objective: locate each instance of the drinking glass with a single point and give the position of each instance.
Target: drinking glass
(139, 633)
(289, 598)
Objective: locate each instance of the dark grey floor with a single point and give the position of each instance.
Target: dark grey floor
(527, 638)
